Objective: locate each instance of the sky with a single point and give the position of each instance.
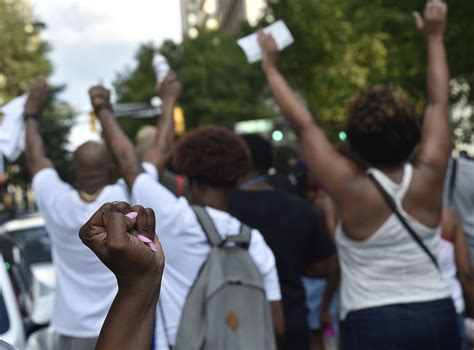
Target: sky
(92, 40)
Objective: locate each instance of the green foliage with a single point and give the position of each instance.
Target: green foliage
(22, 53)
(220, 87)
(341, 46)
(22, 58)
(136, 85)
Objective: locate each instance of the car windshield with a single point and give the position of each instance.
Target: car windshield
(34, 243)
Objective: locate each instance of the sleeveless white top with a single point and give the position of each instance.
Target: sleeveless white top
(447, 264)
(389, 267)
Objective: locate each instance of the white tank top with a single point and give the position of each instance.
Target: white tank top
(447, 264)
(389, 267)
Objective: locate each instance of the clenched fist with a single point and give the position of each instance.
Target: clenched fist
(124, 239)
(100, 98)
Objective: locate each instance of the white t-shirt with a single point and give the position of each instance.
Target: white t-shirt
(85, 288)
(186, 248)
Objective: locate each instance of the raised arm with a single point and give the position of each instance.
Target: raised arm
(119, 144)
(169, 91)
(433, 154)
(317, 150)
(138, 268)
(35, 157)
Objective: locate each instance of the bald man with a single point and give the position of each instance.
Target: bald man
(85, 288)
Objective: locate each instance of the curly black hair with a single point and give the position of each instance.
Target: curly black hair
(382, 125)
(212, 156)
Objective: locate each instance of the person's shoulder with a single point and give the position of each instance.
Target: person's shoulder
(46, 173)
(466, 164)
(296, 202)
(49, 180)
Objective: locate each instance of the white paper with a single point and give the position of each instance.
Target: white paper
(279, 32)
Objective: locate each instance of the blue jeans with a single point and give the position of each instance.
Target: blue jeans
(429, 325)
(462, 332)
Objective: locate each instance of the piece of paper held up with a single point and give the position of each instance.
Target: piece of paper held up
(280, 33)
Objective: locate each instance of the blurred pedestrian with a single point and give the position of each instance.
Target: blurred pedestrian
(213, 159)
(85, 288)
(297, 236)
(392, 293)
(460, 197)
(456, 267)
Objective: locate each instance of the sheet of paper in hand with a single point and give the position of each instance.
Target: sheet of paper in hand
(280, 33)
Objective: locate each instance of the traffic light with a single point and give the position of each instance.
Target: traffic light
(342, 136)
(277, 135)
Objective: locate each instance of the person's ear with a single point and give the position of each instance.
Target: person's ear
(73, 175)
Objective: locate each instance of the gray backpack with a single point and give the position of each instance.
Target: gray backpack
(226, 308)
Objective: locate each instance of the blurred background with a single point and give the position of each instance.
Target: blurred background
(340, 46)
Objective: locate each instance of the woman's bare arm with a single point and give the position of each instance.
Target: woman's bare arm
(331, 169)
(432, 156)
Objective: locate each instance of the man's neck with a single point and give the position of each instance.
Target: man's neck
(92, 186)
(213, 197)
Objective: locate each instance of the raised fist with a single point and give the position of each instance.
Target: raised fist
(100, 98)
(169, 87)
(124, 239)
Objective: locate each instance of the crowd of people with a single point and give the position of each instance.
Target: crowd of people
(216, 255)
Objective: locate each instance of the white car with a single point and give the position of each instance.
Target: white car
(27, 279)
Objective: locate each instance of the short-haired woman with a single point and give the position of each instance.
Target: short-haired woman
(392, 294)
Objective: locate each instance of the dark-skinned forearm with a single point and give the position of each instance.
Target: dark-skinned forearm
(121, 147)
(290, 104)
(165, 135)
(34, 155)
(436, 128)
(34, 141)
(129, 323)
(438, 72)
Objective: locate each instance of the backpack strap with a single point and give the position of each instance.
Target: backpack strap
(393, 206)
(207, 226)
(243, 238)
(179, 186)
(452, 181)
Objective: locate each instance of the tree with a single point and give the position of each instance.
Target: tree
(22, 51)
(136, 85)
(220, 87)
(22, 58)
(344, 45)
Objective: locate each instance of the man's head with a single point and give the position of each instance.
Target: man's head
(91, 168)
(212, 156)
(382, 125)
(261, 153)
(145, 139)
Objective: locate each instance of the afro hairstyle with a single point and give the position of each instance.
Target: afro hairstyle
(213, 156)
(382, 125)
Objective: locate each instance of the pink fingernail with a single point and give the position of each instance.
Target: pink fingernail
(152, 246)
(132, 215)
(144, 239)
